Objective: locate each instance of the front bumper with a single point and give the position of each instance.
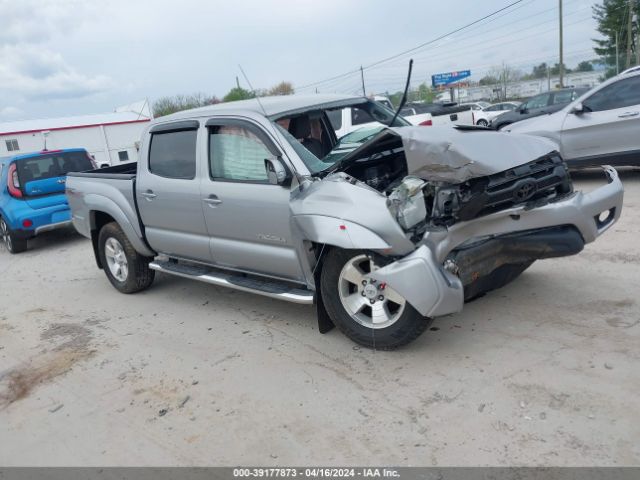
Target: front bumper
(421, 279)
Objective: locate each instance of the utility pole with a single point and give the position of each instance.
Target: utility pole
(636, 20)
(548, 78)
(561, 56)
(237, 82)
(617, 54)
(629, 33)
(364, 93)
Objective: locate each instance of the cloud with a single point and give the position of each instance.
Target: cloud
(34, 21)
(32, 72)
(10, 113)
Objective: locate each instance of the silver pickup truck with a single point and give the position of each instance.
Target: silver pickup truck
(382, 229)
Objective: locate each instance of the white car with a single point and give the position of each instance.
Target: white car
(475, 106)
(600, 127)
(483, 117)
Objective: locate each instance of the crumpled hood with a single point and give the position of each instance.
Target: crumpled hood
(449, 154)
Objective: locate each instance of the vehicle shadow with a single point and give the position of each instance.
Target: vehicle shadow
(50, 240)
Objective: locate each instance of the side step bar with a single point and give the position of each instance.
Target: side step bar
(266, 288)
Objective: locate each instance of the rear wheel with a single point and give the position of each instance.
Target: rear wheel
(369, 313)
(126, 269)
(12, 243)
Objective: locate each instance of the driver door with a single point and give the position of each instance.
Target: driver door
(248, 219)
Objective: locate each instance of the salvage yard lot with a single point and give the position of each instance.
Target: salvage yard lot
(542, 372)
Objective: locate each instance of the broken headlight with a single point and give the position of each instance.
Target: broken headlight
(406, 202)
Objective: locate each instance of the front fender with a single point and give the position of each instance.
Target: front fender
(337, 232)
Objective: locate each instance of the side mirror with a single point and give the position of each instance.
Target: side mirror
(523, 109)
(578, 109)
(276, 171)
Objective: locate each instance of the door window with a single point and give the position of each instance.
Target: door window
(236, 153)
(563, 97)
(624, 93)
(538, 102)
(173, 154)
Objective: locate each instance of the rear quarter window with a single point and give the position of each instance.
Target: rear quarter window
(173, 154)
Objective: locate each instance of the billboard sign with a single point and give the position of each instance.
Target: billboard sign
(440, 79)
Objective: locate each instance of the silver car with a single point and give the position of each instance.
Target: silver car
(600, 127)
(383, 230)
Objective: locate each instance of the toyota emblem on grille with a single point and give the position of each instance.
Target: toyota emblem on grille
(524, 191)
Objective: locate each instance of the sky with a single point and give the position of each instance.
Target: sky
(74, 57)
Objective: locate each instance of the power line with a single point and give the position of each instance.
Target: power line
(414, 48)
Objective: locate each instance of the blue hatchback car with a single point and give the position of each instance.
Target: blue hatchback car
(32, 198)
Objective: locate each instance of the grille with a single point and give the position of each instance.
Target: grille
(544, 178)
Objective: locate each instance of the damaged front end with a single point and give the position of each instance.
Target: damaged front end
(478, 207)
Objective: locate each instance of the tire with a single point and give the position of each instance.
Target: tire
(12, 243)
(398, 323)
(482, 123)
(115, 250)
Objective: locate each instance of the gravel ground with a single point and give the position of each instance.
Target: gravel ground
(545, 371)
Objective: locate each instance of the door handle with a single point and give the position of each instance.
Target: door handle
(629, 114)
(212, 201)
(149, 195)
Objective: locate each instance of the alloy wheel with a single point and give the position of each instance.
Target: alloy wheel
(116, 259)
(6, 237)
(370, 303)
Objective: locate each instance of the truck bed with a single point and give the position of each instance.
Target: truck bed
(111, 191)
(125, 171)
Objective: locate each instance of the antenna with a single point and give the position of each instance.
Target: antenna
(404, 95)
(264, 111)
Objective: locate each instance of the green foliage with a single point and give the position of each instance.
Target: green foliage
(237, 93)
(168, 105)
(584, 67)
(613, 17)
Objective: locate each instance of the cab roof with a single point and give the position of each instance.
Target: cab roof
(275, 106)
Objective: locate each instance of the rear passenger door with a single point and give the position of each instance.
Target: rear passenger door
(168, 192)
(248, 218)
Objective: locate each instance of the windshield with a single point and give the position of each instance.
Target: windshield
(55, 164)
(307, 135)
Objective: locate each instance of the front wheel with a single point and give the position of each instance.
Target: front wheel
(12, 243)
(371, 314)
(126, 269)
(482, 123)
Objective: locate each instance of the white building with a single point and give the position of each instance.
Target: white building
(110, 137)
(525, 88)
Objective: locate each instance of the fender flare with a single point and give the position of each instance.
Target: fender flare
(99, 203)
(337, 232)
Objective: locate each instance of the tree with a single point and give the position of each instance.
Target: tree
(584, 66)
(504, 75)
(613, 17)
(555, 70)
(237, 93)
(426, 93)
(168, 105)
(488, 80)
(283, 88)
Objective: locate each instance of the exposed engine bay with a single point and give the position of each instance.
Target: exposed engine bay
(420, 201)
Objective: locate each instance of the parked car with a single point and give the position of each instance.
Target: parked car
(347, 120)
(542, 104)
(32, 198)
(475, 106)
(446, 113)
(387, 230)
(484, 116)
(600, 127)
